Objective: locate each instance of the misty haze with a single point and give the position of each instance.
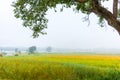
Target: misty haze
(82, 40)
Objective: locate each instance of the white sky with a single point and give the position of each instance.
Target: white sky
(65, 30)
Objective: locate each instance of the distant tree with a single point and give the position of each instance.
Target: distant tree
(1, 50)
(32, 49)
(16, 50)
(49, 49)
(4, 53)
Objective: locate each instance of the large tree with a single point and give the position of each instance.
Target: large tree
(33, 12)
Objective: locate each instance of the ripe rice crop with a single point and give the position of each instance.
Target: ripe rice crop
(60, 67)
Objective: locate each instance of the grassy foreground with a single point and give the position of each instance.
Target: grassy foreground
(60, 67)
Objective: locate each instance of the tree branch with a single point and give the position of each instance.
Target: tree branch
(103, 12)
(81, 1)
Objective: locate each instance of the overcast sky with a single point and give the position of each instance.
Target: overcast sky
(65, 30)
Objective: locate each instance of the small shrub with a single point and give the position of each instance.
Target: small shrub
(1, 55)
(16, 55)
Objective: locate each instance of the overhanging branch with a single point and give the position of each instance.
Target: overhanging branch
(101, 11)
(81, 1)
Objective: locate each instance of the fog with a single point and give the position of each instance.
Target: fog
(65, 30)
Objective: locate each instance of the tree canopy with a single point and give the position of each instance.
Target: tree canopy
(33, 12)
(32, 49)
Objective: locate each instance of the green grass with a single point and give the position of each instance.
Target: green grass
(60, 67)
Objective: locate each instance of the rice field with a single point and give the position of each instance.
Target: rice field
(60, 67)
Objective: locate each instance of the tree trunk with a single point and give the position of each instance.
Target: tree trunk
(115, 8)
(103, 12)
